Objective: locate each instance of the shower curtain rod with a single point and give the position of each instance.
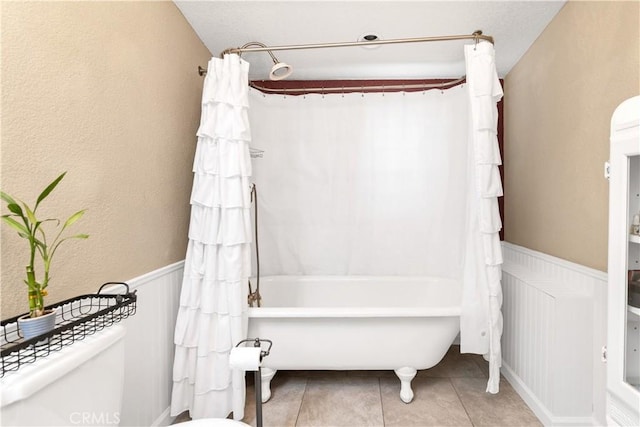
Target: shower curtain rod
(477, 36)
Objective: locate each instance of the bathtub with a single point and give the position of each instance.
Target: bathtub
(355, 323)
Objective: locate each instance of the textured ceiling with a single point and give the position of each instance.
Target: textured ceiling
(514, 25)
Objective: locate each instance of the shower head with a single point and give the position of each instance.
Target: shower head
(280, 70)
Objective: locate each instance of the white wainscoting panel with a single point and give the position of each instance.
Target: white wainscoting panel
(554, 329)
(149, 348)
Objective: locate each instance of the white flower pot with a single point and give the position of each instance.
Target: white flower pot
(34, 326)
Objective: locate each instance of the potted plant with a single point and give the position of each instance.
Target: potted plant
(24, 220)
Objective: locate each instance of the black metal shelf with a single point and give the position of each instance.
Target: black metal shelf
(77, 318)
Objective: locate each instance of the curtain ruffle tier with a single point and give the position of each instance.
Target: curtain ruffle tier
(481, 318)
(212, 314)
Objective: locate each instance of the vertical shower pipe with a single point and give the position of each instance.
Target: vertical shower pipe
(255, 296)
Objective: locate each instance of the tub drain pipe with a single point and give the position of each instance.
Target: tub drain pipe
(255, 296)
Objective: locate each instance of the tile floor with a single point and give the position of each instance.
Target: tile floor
(449, 394)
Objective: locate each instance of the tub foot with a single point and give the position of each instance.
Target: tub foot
(266, 377)
(406, 374)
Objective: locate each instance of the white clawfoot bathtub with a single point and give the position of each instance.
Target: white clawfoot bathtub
(356, 323)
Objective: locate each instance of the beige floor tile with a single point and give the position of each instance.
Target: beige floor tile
(282, 408)
(348, 401)
(455, 364)
(435, 403)
(483, 364)
(451, 393)
(372, 374)
(503, 409)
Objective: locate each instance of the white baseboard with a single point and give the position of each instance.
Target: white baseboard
(526, 264)
(538, 408)
(149, 347)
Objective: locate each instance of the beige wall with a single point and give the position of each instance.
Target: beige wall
(558, 104)
(107, 91)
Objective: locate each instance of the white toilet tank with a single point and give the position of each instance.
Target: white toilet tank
(79, 385)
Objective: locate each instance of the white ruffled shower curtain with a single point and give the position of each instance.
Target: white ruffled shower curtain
(481, 318)
(354, 185)
(212, 313)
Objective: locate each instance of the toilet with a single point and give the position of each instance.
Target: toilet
(81, 384)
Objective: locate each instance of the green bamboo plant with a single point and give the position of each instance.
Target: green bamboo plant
(23, 219)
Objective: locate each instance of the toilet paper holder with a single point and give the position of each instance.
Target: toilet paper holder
(257, 342)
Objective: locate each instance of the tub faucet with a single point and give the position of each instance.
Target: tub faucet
(254, 297)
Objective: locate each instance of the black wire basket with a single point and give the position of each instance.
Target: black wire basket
(76, 318)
